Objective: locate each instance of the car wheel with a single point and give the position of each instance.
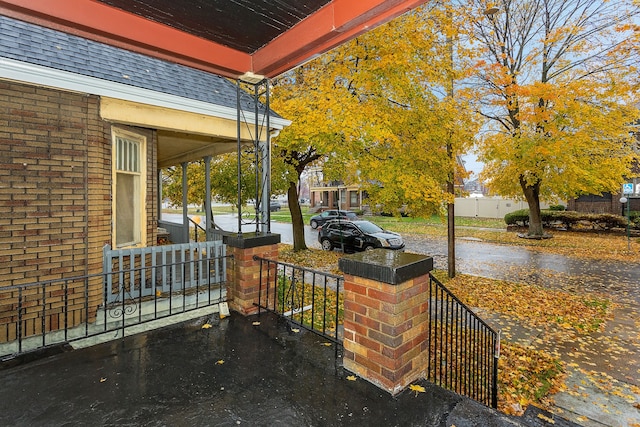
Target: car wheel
(368, 248)
(327, 245)
(314, 224)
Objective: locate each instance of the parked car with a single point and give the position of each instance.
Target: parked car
(357, 236)
(274, 205)
(331, 214)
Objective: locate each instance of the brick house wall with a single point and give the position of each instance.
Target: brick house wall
(55, 197)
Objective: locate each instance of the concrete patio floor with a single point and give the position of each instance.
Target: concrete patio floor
(236, 372)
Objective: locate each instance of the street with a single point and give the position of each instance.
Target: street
(490, 260)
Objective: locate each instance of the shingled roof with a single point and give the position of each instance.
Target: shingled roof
(41, 46)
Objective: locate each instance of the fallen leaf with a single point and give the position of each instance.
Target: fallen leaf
(326, 344)
(255, 323)
(103, 379)
(295, 330)
(545, 418)
(220, 362)
(206, 326)
(416, 388)
(351, 378)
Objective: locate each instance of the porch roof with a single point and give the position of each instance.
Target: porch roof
(195, 112)
(224, 37)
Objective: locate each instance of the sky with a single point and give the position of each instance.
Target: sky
(472, 164)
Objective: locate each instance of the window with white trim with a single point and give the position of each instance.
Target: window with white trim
(129, 177)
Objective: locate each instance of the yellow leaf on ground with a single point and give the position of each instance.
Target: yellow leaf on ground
(103, 379)
(206, 326)
(255, 323)
(220, 362)
(545, 418)
(295, 330)
(351, 378)
(416, 388)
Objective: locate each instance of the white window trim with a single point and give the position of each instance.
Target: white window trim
(142, 196)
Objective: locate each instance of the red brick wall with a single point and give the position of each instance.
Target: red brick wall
(243, 278)
(386, 330)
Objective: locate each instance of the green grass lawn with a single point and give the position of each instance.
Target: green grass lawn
(403, 223)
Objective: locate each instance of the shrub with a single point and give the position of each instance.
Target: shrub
(519, 217)
(570, 219)
(557, 208)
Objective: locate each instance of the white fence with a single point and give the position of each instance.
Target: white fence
(489, 207)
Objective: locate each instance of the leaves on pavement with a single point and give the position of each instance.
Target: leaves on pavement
(566, 319)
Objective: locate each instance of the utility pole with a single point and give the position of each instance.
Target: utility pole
(451, 225)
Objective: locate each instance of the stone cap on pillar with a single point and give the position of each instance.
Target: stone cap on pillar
(386, 266)
(250, 240)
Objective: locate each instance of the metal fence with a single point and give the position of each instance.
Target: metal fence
(39, 315)
(308, 298)
(463, 349)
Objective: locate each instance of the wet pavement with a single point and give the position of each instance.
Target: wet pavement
(236, 373)
(233, 373)
(617, 279)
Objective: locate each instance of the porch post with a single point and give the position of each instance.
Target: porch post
(185, 202)
(386, 303)
(243, 279)
(207, 199)
(159, 195)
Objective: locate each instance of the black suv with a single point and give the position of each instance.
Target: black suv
(331, 214)
(357, 236)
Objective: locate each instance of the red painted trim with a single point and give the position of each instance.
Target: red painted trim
(95, 21)
(336, 23)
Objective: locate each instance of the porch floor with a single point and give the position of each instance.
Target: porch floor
(234, 373)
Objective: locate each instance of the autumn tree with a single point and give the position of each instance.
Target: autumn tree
(558, 80)
(419, 71)
(378, 111)
(313, 134)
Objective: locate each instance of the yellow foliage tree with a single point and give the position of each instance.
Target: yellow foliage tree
(559, 84)
(381, 111)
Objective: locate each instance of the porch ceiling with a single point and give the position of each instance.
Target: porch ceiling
(224, 37)
(177, 147)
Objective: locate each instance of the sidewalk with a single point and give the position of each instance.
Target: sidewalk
(603, 369)
(233, 373)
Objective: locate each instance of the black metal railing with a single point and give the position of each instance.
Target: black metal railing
(308, 298)
(48, 313)
(463, 349)
(197, 229)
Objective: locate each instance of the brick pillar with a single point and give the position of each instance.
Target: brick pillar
(386, 302)
(243, 279)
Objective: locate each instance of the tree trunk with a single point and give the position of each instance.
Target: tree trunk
(296, 218)
(532, 194)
